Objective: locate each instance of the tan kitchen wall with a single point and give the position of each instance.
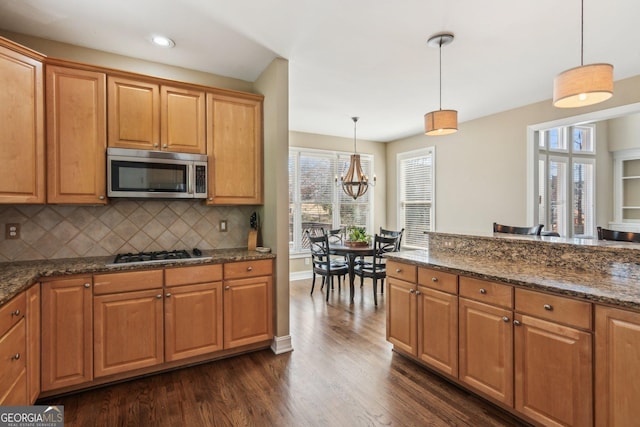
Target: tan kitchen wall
(481, 171)
(64, 231)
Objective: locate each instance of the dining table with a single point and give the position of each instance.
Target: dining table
(351, 253)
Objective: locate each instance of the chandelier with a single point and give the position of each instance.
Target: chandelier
(355, 183)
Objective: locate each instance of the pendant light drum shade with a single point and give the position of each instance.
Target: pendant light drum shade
(441, 122)
(584, 85)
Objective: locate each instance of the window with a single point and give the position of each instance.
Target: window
(566, 180)
(316, 201)
(415, 196)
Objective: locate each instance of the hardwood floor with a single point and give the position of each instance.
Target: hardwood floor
(342, 372)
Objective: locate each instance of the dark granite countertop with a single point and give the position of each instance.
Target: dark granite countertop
(612, 289)
(18, 276)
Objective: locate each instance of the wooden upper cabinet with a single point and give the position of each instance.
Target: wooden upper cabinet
(234, 147)
(134, 114)
(183, 120)
(76, 136)
(22, 151)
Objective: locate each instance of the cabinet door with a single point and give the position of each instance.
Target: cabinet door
(234, 147)
(76, 136)
(486, 349)
(438, 330)
(33, 342)
(67, 333)
(193, 320)
(402, 315)
(134, 114)
(617, 367)
(248, 308)
(553, 368)
(183, 120)
(22, 175)
(13, 365)
(128, 331)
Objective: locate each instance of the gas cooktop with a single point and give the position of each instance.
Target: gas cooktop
(158, 257)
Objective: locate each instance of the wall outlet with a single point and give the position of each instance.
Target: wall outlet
(223, 225)
(12, 231)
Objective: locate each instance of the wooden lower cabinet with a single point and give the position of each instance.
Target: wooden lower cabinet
(67, 332)
(193, 320)
(553, 368)
(486, 349)
(402, 315)
(13, 352)
(128, 331)
(617, 367)
(248, 312)
(438, 330)
(33, 342)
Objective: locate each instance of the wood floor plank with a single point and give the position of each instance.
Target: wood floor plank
(342, 372)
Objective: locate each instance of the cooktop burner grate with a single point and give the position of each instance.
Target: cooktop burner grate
(156, 257)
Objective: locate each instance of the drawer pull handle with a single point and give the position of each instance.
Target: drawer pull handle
(16, 313)
(168, 295)
(87, 285)
(398, 270)
(516, 323)
(483, 291)
(434, 279)
(505, 319)
(548, 307)
(249, 268)
(15, 356)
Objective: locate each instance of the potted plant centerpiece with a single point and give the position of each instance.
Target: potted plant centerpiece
(357, 236)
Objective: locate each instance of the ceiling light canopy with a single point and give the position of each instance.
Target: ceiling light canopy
(440, 122)
(583, 85)
(355, 183)
(162, 41)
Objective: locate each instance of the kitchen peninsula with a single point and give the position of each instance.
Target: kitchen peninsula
(547, 328)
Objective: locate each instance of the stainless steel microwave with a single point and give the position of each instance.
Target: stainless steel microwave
(156, 174)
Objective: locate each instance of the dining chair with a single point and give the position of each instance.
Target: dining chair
(532, 231)
(377, 270)
(336, 237)
(322, 264)
(619, 236)
(393, 233)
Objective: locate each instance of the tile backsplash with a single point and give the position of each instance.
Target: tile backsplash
(124, 225)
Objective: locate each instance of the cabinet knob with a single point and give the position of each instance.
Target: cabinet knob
(418, 292)
(210, 199)
(155, 145)
(505, 319)
(516, 323)
(412, 291)
(101, 197)
(87, 285)
(15, 356)
(249, 268)
(434, 279)
(483, 291)
(398, 270)
(165, 146)
(16, 313)
(226, 288)
(168, 295)
(159, 296)
(548, 307)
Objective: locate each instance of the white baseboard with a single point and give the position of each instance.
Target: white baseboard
(300, 275)
(281, 345)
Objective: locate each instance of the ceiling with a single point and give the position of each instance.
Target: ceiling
(358, 57)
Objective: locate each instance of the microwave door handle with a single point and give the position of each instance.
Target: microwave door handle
(190, 178)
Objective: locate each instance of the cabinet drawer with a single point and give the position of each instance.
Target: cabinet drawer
(191, 275)
(12, 312)
(556, 308)
(488, 292)
(439, 280)
(13, 347)
(255, 268)
(127, 281)
(402, 271)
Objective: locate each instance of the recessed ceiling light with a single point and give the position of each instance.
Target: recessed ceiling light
(162, 41)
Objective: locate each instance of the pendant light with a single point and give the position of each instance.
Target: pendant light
(440, 122)
(583, 85)
(355, 183)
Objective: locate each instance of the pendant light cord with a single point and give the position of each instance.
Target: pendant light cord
(582, 33)
(440, 48)
(355, 120)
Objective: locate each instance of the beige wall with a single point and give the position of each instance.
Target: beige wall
(481, 171)
(624, 133)
(334, 143)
